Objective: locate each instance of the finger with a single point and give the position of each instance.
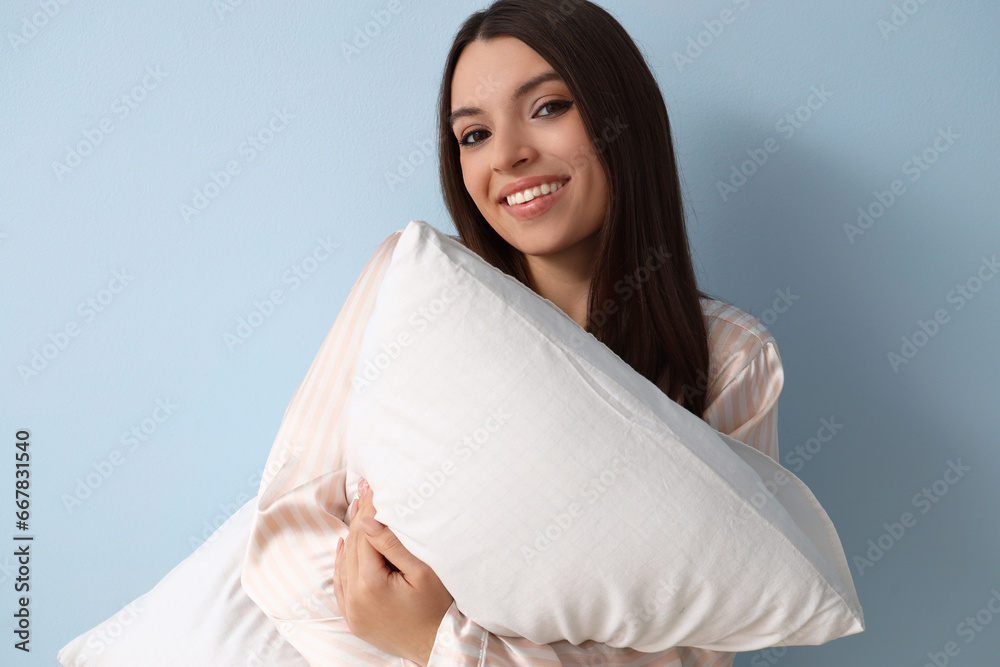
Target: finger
(385, 542)
(355, 545)
(359, 497)
(366, 503)
(371, 565)
(367, 509)
(348, 557)
(338, 587)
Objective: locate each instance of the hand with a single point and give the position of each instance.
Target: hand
(388, 597)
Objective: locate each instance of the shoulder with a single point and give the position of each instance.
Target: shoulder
(379, 260)
(746, 377)
(390, 241)
(728, 324)
(736, 339)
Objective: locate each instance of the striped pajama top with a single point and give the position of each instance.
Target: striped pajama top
(302, 502)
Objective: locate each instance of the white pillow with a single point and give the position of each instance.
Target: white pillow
(197, 615)
(559, 494)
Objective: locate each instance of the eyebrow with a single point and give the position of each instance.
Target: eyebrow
(521, 91)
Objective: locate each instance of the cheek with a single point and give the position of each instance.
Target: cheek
(467, 179)
(585, 161)
(602, 181)
(582, 154)
(475, 179)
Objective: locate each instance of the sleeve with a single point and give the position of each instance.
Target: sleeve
(743, 403)
(302, 502)
(461, 642)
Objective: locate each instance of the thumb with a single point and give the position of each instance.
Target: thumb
(386, 543)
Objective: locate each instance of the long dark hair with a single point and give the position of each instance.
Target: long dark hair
(654, 322)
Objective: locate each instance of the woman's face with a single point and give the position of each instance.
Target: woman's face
(513, 136)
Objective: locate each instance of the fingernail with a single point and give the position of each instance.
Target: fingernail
(371, 526)
(362, 487)
(340, 544)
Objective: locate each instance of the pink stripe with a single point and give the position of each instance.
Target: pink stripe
(289, 556)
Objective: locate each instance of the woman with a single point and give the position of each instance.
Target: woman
(535, 94)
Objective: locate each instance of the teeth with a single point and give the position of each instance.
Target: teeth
(531, 193)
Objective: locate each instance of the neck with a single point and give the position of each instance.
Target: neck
(564, 278)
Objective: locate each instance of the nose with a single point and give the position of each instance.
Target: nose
(510, 149)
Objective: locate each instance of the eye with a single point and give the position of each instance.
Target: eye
(561, 104)
(464, 144)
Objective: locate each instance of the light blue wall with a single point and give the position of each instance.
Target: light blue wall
(342, 124)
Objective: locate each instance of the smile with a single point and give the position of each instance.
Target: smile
(542, 198)
(532, 193)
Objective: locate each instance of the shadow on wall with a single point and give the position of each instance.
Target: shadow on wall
(792, 228)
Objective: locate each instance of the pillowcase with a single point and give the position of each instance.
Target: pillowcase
(559, 494)
(196, 616)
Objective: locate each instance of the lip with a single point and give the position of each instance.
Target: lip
(536, 206)
(529, 182)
